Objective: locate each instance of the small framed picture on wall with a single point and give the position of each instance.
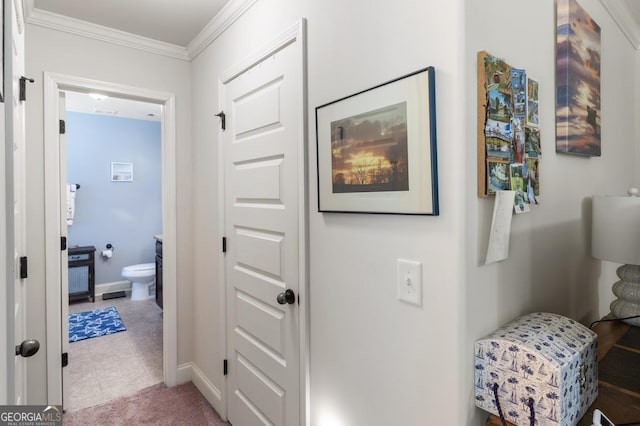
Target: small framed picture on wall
(121, 172)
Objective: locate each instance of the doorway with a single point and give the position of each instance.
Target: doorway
(55, 232)
(114, 223)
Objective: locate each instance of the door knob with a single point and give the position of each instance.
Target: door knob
(287, 297)
(28, 348)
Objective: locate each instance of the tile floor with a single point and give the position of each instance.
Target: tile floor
(107, 367)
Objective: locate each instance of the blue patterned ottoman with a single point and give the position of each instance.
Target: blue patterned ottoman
(541, 363)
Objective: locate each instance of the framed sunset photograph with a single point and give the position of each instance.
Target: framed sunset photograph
(376, 149)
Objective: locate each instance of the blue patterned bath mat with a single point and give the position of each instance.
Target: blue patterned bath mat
(100, 322)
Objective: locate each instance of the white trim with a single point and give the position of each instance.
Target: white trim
(70, 25)
(53, 83)
(169, 242)
(623, 17)
(28, 6)
(296, 32)
(207, 389)
(111, 287)
(6, 313)
(229, 14)
(53, 304)
(184, 373)
(303, 243)
(218, 25)
(189, 372)
(222, 276)
(19, 8)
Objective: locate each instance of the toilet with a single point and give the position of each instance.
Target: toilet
(142, 276)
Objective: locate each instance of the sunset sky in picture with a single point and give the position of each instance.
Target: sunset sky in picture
(372, 139)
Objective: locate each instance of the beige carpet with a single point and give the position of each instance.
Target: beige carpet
(109, 367)
(155, 405)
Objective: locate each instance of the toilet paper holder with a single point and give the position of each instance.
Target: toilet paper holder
(108, 253)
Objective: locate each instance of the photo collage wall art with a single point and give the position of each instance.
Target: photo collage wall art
(508, 132)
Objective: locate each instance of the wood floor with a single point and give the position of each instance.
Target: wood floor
(104, 368)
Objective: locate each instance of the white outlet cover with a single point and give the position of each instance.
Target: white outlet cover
(410, 281)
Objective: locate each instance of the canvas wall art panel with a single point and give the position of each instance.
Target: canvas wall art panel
(577, 80)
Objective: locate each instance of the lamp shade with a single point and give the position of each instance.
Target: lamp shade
(615, 233)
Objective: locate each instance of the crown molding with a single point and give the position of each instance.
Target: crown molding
(622, 16)
(58, 22)
(229, 14)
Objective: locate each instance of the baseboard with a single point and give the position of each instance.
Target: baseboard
(190, 371)
(184, 373)
(113, 286)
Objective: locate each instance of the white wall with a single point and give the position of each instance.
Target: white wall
(64, 53)
(549, 266)
(374, 360)
(124, 214)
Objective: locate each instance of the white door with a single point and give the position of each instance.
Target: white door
(264, 215)
(16, 134)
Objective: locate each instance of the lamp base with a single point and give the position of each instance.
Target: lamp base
(628, 292)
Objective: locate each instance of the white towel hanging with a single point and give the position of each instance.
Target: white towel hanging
(71, 202)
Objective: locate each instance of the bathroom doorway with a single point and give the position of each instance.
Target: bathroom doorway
(56, 228)
(114, 223)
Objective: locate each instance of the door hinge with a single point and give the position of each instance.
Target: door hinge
(23, 87)
(224, 244)
(65, 359)
(23, 267)
(63, 243)
(63, 127)
(225, 370)
(223, 119)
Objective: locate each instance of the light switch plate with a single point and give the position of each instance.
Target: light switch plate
(410, 281)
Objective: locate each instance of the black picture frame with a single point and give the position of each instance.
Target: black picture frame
(376, 149)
